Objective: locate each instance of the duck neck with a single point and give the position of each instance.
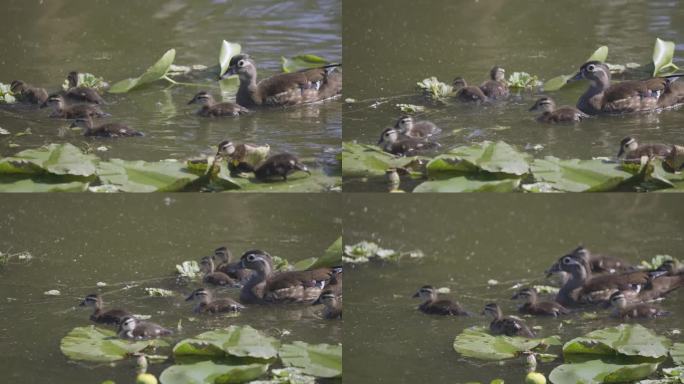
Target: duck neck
(532, 298)
(247, 92)
(253, 290)
(577, 278)
(591, 101)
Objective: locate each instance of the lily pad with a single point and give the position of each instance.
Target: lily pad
(321, 360)
(56, 159)
(97, 344)
(332, 256)
(298, 182)
(625, 339)
(498, 157)
(300, 62)
(228, 50)
(208, 372)
(677, 353)
(361, 160)
(287, 376)
(576, 175)
(598, 371)
(465, 184)
(141, 176)
(239, 341)
(558, 82)
(154, 73)
(478, 343)
(663, 53)
(40, 184)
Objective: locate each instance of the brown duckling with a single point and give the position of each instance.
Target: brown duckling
(104, 130)
(393, 142)
(533, 307)
(551, 114)
(223, 258)
(507, 325)
(674, 92)
(410, 128)
(468, 93)
(27, 93)
(280, 165)
(207, 304)
(76, 111)
(210, 108)
(631, 151)
(635, 311)
(134, 329)
(242, 157)
(211, 276)
(305, 86)
(496, 87)
(80, 94)
(112, 316)
(332, 304)
(434, 306)
(596, 263)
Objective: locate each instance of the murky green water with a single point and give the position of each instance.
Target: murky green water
(466, 242)
(135, 242)
(391, 45)
(43, 40)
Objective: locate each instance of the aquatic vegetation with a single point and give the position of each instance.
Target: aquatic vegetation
(523, 80)
(98, 345)
(159, 292)
(287, 376)
(320, 360)
(434, 89)
(211, 372)
(477, 342)
(237, 341)
(228, 50)
(87, 80)
(296, 63)
(188, 270)
(410, 108)
(156, 72)
(365, 251)
(558, 82)
(6, 95)
(663, 53)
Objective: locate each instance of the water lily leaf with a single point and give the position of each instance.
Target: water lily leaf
(6, 95)
(663, 53)
(321, 360)
(677, 353)
(361, 160)
(208, 372)
(523, 80)
(332, 256)
(465, 184)
(239, 341)
(600, 54)
(487, 156)
(576, 175)
(625, 339)
(297, 182)
(228, 50)
(141, 176)
(56, 159)
(287, 376)
(558, 82)
(97, 344)
(598, 371)
(300, 62)
(476, 342)
(156, 72)
(41, 184)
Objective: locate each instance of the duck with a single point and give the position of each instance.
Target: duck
(64, 111)
(242, 157)
(268, 287)
(597, 263)
(621, 310)
(496, 87)
(104, 130)
(392, 141)
(468, 93)
(207, 304)
(332, 304)
(285, 89)
(631, 151)
(407, 126)
(280, 166)
(213, 277)
(79, 94)
(27, 93)
(335, 283)
(506, 325)
(112, 316)
(134, 329)
(533, 307)
(210, 108)
(551, 114)
(434, 306)
(223, 258)
(674, 93)
(602, 97)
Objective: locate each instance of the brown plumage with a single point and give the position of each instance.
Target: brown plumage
(207, 304)
(495, 87)
(210, 108)
(332, 304)
(432, 305)
(242, 157)
(112, 316)
(632, 151)
(596, 263)
(79, 94)
(506, 325)
(77, 111)
(552, 114)
(211, 276)
(534, 307)
(622, 310)
(134, 329)
(391, 141)
(223, 258)
(105, 130)
(280, 166)
(466, 93)
(27, 93)
(407, 126)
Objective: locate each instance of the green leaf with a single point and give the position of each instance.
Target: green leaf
(300, 62)
(598, 371)
(558, 82)
(6, 95)
(40, 184)
(677, 353)
(208, 372)
(239, 341)
(228, 50)
(141, 176)
(476, 342)
(466, 184)
(576, 175)
(434, 89)
(625, 339)
(487, 156)
(321, 360)
(287, 376)
(361, 160)
(523, 80)
(600, 54)
(56, 159)
(332, 256)
(297, 182)
(154, 73)
(96, 344)
(663, 53)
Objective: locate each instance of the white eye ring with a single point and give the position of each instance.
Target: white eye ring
(251, 257)
(241, 63)
(566, 260)
(591, 68)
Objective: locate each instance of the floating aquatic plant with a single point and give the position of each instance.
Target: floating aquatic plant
(300, 62)
(365, 251)
(523, 80)
(410, 108)
(87, 80)
(6, 95)
(435, 89)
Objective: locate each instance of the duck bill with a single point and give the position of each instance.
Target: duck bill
(232, 71)
(620, 153)
(416, 295)
(189, 298)
(578, 76)
(82, 304)
(555, 268)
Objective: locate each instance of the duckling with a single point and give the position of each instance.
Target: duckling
(242, 157)
(210, 108)
(78, 94)
(27, 93)
(551, 114)
(112, 316)
(211, 276)
(61, 110)
(408, 127)
(467, 93)
(432, 306)
(132, 328)
(305, 86)
(335, 283)
(496, 87)
(332, 303)
(533, 307)
(105, 130)
(207, 304)
(596, 263)
(393, 142)
(635, 311)
(280, 165)
(224, 263)
(508, 326)
(632, 151)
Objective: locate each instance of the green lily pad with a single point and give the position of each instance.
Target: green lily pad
(287, 376)
(6, 95)
(228, 50)
(208, 372)
(298, 182)
(321, 360)
(154, 73)
(56, 159)
(625, 339)
(465, 184)
(141, 176)
(332, 256)
(677, 353)
(499, 157)
(41, 184)
(97, 344)
(663, 53)
(600, 54)
(361, 160)
(239, 341)
(598, 371)
(300, 62)
(558, 82)
(478, 343)
(576, 175)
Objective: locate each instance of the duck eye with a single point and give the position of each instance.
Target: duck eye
(566, 260)
(251, 257)
(241, 63)
(591, 68)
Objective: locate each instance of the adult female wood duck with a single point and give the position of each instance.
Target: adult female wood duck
(621, 310)
(242, 157)
(407, 126)
(207, 304)
(210, 108)
(268, 287)
(27, 93)
(305, 86)
(630, 150)
(134, 329)
(105, 130)
(534, 307)
(211, 276)
(393, 142)
(64, 111)
(332, 304)
(496, 87)
(335, 283)
(623, 97)
(223, 259)
(467, 93)
(432, 305)
(112, 316)
(80, 94)
(280, 166)
(551, 114)
(506, 325)
(597, 263)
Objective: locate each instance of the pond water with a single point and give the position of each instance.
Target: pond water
(468, 241)
(389, 48)
(135, 242)
(43, 40)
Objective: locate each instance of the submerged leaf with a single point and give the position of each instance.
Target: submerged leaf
(208, 372)
(598, 371)
(296, 63)
(156, 72)
(321, 360)
(239, 341)
(96, 344)
(476, 342)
